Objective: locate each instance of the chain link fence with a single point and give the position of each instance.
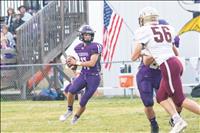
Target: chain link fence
(19, 84)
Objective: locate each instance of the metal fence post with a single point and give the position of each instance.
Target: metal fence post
(23, 93)
(33, 71)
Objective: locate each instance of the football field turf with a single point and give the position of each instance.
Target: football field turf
(114, 115)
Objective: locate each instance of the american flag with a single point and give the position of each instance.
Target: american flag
(111, 30)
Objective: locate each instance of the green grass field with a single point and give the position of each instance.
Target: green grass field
(116, 115)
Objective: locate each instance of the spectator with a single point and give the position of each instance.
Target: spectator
(6, 34)
(9, 19)
(3, 36)
(18, 21)
(4, 44)
(34, 12)
(24, 14)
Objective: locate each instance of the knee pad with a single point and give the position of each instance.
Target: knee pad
(72, 90)
(148, 102)
(67, 88)
(82, 103)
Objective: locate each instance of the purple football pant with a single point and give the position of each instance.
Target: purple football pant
(67, 88)
(147, 80)
(171, 85)
(88, 81)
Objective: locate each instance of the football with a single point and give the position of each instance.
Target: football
(73, 67)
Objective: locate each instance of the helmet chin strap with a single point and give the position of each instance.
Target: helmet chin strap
(141, 22)
(87, 42)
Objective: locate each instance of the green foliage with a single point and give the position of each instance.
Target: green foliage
(116, 115)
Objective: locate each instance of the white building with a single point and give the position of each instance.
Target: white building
(169, 10)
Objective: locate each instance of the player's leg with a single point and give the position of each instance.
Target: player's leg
(149, 111)
(156, 83)
(167, 88)
(92, 85)
(65, 92)
(179, 123)
(77, 115)
(178, 97)
(146, 94)
(178, 109)
(191, 106)
(63, 117)
(77, 85)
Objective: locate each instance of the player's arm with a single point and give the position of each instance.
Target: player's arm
(137, 52)
(90, 63)
(175, 50)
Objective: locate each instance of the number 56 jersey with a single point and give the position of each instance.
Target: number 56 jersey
(157, 40)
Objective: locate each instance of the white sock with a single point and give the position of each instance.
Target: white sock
(176, 117)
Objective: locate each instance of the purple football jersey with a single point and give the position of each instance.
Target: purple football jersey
(85, 53)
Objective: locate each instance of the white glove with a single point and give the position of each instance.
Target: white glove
(154, 65)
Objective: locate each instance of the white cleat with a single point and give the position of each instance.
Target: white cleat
(179, 126)
(65, 116)
(74, 120)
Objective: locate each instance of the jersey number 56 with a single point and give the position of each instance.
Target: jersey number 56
(161, 33)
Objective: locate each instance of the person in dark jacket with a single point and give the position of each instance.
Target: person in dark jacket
(9, 19)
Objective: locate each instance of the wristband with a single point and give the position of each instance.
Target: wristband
(78, 63)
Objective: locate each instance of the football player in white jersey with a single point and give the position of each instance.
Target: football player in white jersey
(157, 41)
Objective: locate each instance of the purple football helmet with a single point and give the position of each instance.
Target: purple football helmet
(86, 29)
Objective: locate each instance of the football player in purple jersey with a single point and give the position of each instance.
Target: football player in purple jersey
(89, 53)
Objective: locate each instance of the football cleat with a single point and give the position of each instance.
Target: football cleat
(155, 129)
(179, 126)
(65, 116)
(171, 123)
(74, 120)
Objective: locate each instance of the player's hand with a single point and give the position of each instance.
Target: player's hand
(147, 60)
(71, 61)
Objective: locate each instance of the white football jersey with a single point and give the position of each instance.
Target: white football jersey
(157, 40)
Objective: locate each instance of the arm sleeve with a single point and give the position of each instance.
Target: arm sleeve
(142, 35)
(96, 49)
